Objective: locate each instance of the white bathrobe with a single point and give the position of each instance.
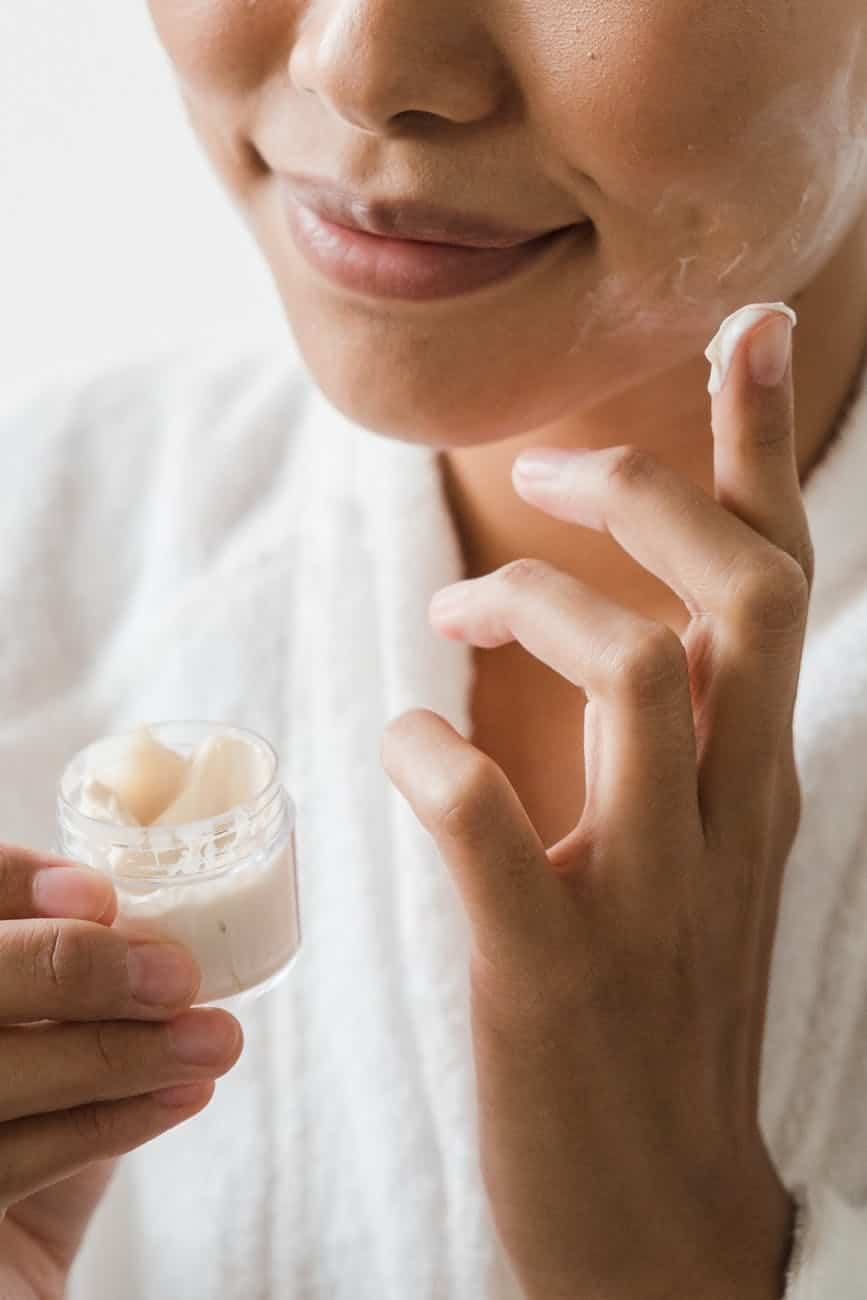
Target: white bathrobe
(199, 535)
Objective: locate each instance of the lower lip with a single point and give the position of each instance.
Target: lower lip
(405, 268)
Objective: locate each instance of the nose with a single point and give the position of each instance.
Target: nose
(375, 61)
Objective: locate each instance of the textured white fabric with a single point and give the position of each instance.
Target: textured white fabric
(829, 1257)
(201, 535)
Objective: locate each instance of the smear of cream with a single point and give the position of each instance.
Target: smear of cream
(721, 350)
(832, 144)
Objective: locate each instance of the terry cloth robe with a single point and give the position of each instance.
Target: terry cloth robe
(199, 534)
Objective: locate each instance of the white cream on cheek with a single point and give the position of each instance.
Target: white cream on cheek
(762, 223)
(784, 234)
(745, 240)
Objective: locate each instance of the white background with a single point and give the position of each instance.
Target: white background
(114, 233)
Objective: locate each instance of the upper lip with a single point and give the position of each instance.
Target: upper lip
(407, 218)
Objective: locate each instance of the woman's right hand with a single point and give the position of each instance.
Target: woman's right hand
(99, 1053)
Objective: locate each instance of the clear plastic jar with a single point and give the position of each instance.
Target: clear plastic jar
(225, 887)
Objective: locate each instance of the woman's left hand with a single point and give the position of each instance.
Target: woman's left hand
(619, 980)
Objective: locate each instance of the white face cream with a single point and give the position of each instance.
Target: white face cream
(198, 836)
(721, 350)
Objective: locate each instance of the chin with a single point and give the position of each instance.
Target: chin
(473, 372)
(462, 406)
(457, 373)
(426, 383)
(409, 403)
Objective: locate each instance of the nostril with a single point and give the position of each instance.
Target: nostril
(412, 117)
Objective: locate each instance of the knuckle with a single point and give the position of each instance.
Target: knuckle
(771, 436)
(93, 1125)
(653, 664)
(517, 573)
(111, 1049)
(628, 465)
(464, 807)
(771, 597)
(66, 961)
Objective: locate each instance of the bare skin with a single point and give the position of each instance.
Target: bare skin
(619, 978)
(719, 153)
(526, 716)
(100, 1053)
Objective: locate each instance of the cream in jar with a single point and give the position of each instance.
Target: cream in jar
(198, 835)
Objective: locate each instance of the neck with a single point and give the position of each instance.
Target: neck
(671, 417)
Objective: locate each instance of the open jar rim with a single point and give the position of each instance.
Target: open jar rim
(263, 819)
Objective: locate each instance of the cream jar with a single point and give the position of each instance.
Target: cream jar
(222, 881)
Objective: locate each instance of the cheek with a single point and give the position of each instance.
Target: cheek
(223, 53)
(223, 47)
(718, 147)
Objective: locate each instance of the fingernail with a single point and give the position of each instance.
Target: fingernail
(204, 1038)
(769, 350)
(161, 974)
(185, 1094)
(722, 348)
(538, 466)
(73, 892)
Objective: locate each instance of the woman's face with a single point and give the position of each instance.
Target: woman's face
(719, 150)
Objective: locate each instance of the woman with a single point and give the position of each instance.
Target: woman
(569, 798)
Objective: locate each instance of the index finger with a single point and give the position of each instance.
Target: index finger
(33, 884)
(752, 416)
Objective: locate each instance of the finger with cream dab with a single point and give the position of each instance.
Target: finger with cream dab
(721, 350)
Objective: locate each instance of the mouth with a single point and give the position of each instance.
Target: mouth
(411, 219)
(406, 249)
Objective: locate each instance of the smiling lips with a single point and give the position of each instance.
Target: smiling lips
(406, 250)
